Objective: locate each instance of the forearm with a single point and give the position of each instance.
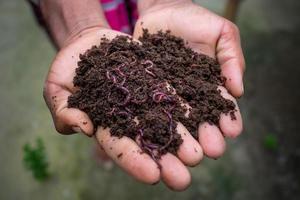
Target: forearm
(67, 18)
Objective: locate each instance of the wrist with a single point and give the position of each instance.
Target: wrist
(146, 5)
(67, 19)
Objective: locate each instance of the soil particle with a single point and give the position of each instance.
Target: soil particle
(120, 155)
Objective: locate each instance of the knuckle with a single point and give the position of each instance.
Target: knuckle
(233, 28)
(233, 34)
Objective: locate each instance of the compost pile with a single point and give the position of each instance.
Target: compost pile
(142, 90)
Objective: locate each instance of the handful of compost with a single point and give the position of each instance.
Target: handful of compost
(143, 90)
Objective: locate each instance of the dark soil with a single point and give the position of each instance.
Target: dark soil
(130, 87)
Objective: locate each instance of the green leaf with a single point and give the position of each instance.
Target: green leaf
(271, 142)
(35, 160)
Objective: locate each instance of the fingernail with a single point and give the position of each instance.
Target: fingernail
(77, 129)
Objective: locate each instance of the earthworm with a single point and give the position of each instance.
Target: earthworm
(119, 71)
(170, 130)
(149, 67)
(123, 81)
(149, 72)
(152, 146)
(148, 148)
(133, 62)
(141, 132)
(114, 80)
(112, 111)
(111, 77)
(147, 62)
(124, 113)
(159, 96)
(128, 110)
(107, 74)
(159, 86)
(136, 90)
(127, 98)
(127, 93)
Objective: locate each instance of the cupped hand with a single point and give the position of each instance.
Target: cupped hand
(59, 86)
(59, 82)
(218, 38)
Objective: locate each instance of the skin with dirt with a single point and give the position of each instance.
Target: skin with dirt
(142, 90)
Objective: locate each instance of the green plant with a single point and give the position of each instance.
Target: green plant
(270, 142)
(35, 160)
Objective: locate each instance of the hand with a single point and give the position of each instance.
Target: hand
(59, 82)
(59, 86)
(216, 37)
(77, 25)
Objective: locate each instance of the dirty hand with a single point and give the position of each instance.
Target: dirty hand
(59, 82)
(59, 86)
(216, 37)
(75, 26)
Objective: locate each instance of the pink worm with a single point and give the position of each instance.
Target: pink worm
(159, 96)
(149, 67)
(170, 130)
(126, 91)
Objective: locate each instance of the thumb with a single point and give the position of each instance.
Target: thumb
(66, 120)
(231, 59)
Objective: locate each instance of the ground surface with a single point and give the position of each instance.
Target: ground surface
(248, 170)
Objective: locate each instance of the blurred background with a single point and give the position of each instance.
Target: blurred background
(262, 164)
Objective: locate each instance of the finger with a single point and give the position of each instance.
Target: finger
(127, 154)
(66, 120)
(231, 59)
(189, 152)
(173, 172)
(230, 128)
(99, 152)
(211, 140)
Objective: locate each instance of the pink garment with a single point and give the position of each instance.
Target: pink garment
(120, 14)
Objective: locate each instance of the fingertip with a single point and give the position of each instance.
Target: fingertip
(128, 155)
(211, 140)
(86, 126)
(174, 174)
(231, 127)
(234, 80)
(190, 151)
